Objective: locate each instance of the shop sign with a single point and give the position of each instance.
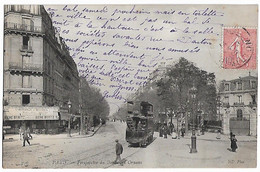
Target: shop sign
(30, 113)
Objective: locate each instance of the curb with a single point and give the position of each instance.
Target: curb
(83, 136)
(65, 137)
(220, 140)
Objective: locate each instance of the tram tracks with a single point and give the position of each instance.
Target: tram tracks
(87, 154)
(88, 157)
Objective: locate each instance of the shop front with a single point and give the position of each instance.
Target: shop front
(40, 120)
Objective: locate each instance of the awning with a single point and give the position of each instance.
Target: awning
(13, 113)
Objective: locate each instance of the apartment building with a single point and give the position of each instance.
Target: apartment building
(238, 105)
(40, 76)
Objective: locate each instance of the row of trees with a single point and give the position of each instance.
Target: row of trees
(93, 104)
(171, 91)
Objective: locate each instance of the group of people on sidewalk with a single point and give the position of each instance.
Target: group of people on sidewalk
(164, 130)
(25, 135)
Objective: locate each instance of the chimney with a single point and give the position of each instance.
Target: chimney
(249, 73)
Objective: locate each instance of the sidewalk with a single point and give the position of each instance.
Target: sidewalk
(64, 135)
(212, 137)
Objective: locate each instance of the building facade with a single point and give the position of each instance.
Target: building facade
(40, 76)
(238, 105)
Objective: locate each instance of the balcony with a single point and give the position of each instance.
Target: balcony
(226, 105)
(26, 49)
(25, 67)
(22, 27)
(252, 104)
(239, 104)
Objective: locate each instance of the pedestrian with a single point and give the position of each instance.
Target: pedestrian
(233, 143)
(160, 131)
(179, 133)
(230, 135)
(174, 134)
(165, 131)
(139, 126)
(29, 132)
(202, 129)
(182, 132)
(218, 134)
(119, 151)
(20, 133)
(25, 138)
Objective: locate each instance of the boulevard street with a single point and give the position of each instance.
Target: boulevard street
(98, 151)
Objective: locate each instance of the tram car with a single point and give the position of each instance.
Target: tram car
(140, 123)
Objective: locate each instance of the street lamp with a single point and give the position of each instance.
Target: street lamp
(69, 129)
(193, 93)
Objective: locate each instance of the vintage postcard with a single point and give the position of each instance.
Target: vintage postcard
(129, 86)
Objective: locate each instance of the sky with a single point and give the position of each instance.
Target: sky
(116, 46)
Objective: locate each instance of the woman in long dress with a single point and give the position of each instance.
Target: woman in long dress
(233, 143)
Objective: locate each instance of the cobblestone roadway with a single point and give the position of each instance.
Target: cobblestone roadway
(58, 151)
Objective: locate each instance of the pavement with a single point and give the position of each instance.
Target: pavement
(208, 136)
(64, 135)
(60, 151)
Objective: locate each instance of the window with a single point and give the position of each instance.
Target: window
(25, 42)
(239, 99)
(253, 84)
(25, 99)
(226, 99)
(27, 24)
(26, 81)
(253, 99)
(226, 87)
(26, 7)
(239, 86)
(12, 8)
(239, 115)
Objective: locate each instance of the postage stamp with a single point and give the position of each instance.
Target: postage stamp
(239, 48)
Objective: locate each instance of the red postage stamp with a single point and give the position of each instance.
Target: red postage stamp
(239, 48)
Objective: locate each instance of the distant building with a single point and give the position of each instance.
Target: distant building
(40, 76)
(238, 105)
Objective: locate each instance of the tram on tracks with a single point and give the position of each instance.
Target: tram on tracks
(140, 123)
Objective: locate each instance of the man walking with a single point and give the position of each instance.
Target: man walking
(25, 138)
(29, 132)
(119, 151)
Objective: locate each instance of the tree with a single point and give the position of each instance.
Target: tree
(174, 88)
(93, 103)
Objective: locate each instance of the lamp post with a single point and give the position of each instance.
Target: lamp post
(193, 92)
(69, 129)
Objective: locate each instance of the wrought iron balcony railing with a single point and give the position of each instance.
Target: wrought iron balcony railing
(239, 104)
(22, 27)
(26, 48)
(226, 105)
(25, 67)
